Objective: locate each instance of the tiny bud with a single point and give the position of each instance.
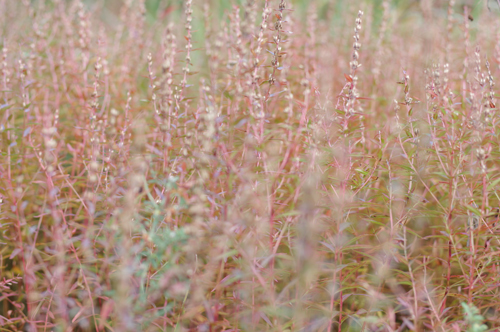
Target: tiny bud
(51, 143)
(94, 166)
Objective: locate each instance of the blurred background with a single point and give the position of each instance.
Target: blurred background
(327, 9)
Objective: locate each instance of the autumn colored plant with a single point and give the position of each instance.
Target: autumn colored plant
(271, 165)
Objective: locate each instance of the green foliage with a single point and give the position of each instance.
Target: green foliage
(473, 318)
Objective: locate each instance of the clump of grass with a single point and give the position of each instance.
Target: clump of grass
(200, 166)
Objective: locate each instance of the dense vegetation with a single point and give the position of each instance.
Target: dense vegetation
(249, 165)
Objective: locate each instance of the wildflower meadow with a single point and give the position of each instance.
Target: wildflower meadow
(249, 165)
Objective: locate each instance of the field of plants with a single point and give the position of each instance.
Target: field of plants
(249, 165)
